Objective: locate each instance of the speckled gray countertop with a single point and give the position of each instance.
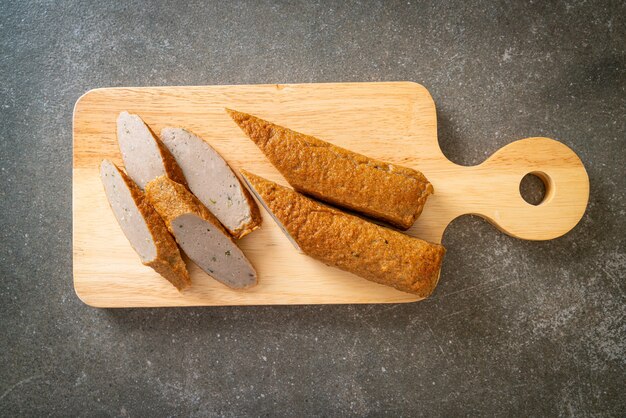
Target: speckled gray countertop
(514, 328)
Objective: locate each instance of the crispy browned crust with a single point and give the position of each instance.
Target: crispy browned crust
(172, 169)
(171, 200)
(384, 191)
(353, 244)
(168, 262)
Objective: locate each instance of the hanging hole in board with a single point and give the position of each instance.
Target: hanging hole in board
(535, 188)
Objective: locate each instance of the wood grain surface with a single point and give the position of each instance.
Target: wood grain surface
(392, 121)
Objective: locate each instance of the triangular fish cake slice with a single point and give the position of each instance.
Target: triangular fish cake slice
(200, 235)
(143, 227)
(384, 191)
(213, 182)
(351, 243)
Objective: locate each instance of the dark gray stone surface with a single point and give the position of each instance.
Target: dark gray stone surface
(514, 328)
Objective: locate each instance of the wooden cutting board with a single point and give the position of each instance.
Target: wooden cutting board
(394, 122)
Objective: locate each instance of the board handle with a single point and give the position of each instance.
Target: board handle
(565, 179)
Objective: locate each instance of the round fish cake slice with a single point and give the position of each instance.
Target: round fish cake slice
(213, 182)
(200, 234)
(142, 226)
(145, 157)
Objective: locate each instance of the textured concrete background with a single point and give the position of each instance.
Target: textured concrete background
(514, 328)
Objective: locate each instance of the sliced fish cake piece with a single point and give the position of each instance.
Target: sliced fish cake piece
(145, 157)
(351, 243)
(384, 191)
(143, 226)
(200, 235)
(213, 182)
